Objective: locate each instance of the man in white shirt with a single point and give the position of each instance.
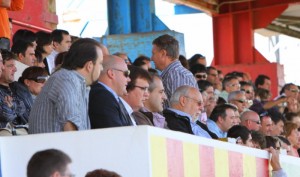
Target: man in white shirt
(61, 43)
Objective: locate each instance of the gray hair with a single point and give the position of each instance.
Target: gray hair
(245, 115)
(232, 95)
(180, 91)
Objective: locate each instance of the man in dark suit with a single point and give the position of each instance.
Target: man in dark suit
(105, 108)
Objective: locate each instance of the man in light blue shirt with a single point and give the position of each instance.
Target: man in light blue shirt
(221, 119)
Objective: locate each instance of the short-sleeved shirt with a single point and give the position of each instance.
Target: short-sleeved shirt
(63, 98)
(174, 76)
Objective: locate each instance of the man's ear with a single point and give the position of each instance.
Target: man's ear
(26, 82)
(55, 44)
(182, 100)
(88, 66)
(20, 56)
(56, 174)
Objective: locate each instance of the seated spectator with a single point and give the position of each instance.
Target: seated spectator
(25, 35)
(218, 85)
(278, 123)
(199, 72)
(50, 162)
(124, 57)
(230, 84)
(221, 119)
(251, 120)
(237, 118)
(273, 142)
(248, 89)
(263, 81)
(197, 59)
(291, 133)
(258, 140)
(44, 43)
(266, 124)
(143, 62)
(186, 105)
(241, 134)
(25, 56)
(12, 107)
(212, 76)
(153, 106)
(102, 173)
(137, 90)
(238, 98)
(183, 61)
(34, 78)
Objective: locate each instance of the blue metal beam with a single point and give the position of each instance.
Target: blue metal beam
(182, 9)
(141, 19)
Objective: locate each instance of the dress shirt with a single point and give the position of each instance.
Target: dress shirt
(213, 127)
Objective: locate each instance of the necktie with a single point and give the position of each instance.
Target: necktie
(125, 116)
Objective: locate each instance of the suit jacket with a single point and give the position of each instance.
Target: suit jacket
(177, 122)
(104, 109)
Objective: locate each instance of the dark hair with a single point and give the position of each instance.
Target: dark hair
(220, 111)
(168, 43)
(227, 80)
(210, 68)
(239, 131)
(271, 141)
(24, 35)
(262, 93)
(102, 173)
(259, 138)
(194, 59)
(203, 85)
(260, 80)
(7, 55)
(276, 116)
(20, 47)
(43, 38)
(152, 84)
(59, 59)
(137, 73)
(290, 116)
(81, 51)
(153, 71)
(45, 163)
(183, 61)
(32, 73)
(57, 35)
(244, 83)
(139, 61)
(38, 56)
(198, 68)
(286, 87)
(235, 74)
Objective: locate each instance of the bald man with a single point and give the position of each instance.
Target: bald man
(251, 120)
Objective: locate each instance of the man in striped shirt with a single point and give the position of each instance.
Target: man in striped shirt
(165, 53)
(62, 104)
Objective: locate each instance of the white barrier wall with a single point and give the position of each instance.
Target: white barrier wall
(141, 151)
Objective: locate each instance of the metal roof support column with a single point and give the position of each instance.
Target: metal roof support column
(119, 16)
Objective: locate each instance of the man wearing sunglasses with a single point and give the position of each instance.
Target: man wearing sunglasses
(63, 103)
(199, 72)
(106, 108)
(251, 120)
(238, 98)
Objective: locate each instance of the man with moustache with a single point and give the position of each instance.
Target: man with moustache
(186, 105)
(62, 105)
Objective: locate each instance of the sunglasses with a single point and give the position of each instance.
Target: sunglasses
(246, 91)
(40, 79)
(257, 122)
(201, 76)
(126, 73)
(241, 101)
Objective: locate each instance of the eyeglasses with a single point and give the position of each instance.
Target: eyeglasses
(126, 73)
(294, 90)
(201, 76)
(197, 101)
(215, 75)
(233, 85)
(257, 122)
(145, 89)
(40, 79)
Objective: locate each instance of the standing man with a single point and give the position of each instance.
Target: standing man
(63, 103)
(61, 43)
(165, 53)
(5, 33)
